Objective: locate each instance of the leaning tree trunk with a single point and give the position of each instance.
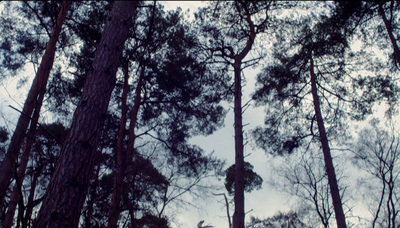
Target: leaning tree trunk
(23, 164)
(389, 30)
(68, 186)
(39, 83)
(330, 170)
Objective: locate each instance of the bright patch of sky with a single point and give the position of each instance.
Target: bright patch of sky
(185, 5)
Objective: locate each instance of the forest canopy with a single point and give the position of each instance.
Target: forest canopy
(132, 114)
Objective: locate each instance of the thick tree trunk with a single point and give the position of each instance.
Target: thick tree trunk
(68, 186)
(330, 170)
(389, 30)
(39, 83)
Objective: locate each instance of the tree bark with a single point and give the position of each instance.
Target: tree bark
(39, 84)
(330, 170)
(389, 30)
(68, 186)
(239, 214)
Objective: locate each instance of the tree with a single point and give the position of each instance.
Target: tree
(33, 101)
(377, 153)
(228, 215)
(3, 139)
(303, 175)
(67, 189)
(121, 156)
(45, 150)
(330, 170)
(373, 24)
(43, 144)
(171, 102)
(389, 25)
(290, 220)
(308, 86)
(143, 83)
(171, 85)
(66, 87)
(251, 179)
(231, 29)
(377, 16)
(124, 156)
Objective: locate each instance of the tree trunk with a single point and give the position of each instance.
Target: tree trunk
(15, 196)
(121, 156)
(31, 202)
(21, 206)
(133, 117)
(239, 214)
(39, 83)
(126, 156)
(93, 196)
(389, 30)
(68, 186)
(330, 170)
(227, 208)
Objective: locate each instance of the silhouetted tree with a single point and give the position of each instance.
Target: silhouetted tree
(252, 180)
(33, 101)
(289, 220)
(377, 152)
(67, 189)
(307, 89)
(230, 30)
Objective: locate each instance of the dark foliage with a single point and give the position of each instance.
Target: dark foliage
(3, 135)
(252, 181)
